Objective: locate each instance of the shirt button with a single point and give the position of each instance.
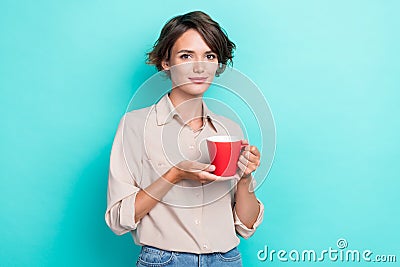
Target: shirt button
(160, 164)
(191, 147)
(197, 194)
(205, 246)
(196, 221)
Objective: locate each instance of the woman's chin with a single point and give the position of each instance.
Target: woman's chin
(195, 89)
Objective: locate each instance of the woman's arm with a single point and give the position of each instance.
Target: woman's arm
(247, 207)
(147, 198)
(127, 203)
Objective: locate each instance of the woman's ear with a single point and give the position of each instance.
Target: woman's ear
(220, 69)
(165, 64)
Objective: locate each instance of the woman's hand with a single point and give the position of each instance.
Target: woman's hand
(249, 160)
(147, 198)
(194, 171)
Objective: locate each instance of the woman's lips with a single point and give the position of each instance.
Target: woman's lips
(198, 79)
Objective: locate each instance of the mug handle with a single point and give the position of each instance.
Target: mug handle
(242, 147)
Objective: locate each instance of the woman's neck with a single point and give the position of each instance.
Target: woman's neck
(189, 107)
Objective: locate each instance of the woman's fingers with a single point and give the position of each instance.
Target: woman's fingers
(245, 170)
(252, 166)
(253, 150)
(251, 157)
(243, 160)
(194, 166)
(249, 160)
(198, 166)
(206, 177)
(197, 171)
(242, 168)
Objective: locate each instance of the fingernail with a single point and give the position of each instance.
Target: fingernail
(211, 168)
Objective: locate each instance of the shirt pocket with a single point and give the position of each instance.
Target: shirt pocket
(152, 170)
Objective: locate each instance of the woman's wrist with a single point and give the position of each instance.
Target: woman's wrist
(245, 181)
(173, 175)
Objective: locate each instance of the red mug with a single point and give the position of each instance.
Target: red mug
(224, 154)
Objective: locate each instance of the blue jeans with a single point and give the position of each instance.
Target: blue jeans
(154, 257)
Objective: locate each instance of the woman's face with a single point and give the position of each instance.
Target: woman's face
(192, 64)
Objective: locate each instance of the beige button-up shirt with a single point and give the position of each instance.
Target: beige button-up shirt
(192, 217)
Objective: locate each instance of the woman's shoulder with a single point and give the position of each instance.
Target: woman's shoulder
(139, 115)
(137, 118)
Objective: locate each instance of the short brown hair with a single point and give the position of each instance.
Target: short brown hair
(214, 36)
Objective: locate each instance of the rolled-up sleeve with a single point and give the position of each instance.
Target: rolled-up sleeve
(124, 169)
(242, 229)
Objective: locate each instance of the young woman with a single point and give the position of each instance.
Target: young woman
(161, 188)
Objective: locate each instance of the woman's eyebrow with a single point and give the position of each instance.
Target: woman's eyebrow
(192, 52)
(185, 51)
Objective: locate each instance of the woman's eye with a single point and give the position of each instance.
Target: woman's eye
(185, 56)
(211, 57)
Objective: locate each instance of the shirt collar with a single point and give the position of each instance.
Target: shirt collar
(165, 111)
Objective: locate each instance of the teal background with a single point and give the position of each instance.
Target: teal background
(329, 69)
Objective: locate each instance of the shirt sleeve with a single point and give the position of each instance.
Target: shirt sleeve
(122, 189)
(242, 229)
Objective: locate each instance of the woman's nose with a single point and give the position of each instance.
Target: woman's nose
(198, 67)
